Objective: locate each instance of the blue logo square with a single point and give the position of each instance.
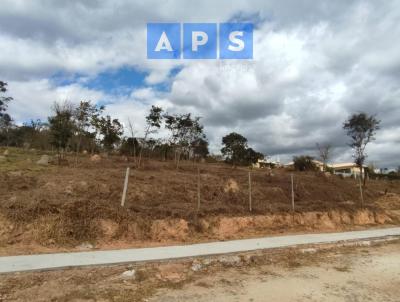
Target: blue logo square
(236, 41)
(163, 40)
(199, 40)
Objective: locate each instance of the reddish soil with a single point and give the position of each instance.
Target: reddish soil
(58, 208)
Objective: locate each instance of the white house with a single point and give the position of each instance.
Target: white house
(346, 169)
(267, 162)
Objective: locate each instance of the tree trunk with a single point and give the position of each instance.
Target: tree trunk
(134, 152)
(361, 173)
(177, 161)
(77, 150)
(141, 149)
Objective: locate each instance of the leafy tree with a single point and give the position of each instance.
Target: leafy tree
(304, 163)
(200, 148)
(129, 146)
(6, 123)
(110, 130)
(324, 153)
(185, 130)
(361, 128)
(236, 151)
(85, 115)
(153, 123)
(234, 148)
(35, 134)
(252, 156)
(61, 127)
(163, 148)
(3, 100)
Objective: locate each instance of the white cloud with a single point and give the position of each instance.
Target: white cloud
(33, 99)
(314, 64)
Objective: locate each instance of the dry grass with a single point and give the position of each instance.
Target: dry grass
(63, 205)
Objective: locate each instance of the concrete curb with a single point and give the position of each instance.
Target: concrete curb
(68, 260)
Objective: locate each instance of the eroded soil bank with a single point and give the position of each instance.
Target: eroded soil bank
(46, 234)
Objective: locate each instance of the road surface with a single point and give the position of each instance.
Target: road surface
(66, 260)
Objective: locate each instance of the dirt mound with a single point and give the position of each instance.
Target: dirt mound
(231, 186)
(95, 158)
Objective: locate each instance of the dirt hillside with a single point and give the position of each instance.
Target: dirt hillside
(51, 208)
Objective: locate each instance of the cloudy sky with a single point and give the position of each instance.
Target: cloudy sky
(315, 63)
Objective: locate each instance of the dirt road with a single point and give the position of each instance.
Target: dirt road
(363, 273)
(369, 275)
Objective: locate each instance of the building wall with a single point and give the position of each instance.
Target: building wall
(348, 171)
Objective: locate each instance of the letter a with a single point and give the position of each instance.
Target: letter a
(163, 43)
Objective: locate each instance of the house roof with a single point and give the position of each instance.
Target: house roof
(344, 165)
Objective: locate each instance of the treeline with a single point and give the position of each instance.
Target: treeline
(85, 128)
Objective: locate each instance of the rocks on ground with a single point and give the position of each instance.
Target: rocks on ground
(230, 260)
(196, 266)
(95, 158)
(129, 274)
(69, 190)
(173, 272)
(44, 160)
(85, 246)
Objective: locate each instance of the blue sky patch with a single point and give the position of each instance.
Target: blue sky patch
(120, 81)
(116, 81)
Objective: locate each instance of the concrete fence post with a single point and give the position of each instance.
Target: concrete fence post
(198, 189)
(250, 201)
(125, 187)
(361, 193)
(291, 177)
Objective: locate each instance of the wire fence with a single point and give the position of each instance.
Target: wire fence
(208, 189)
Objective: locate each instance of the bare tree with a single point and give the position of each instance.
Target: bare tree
(153, 121)
(324, 151)
(132, 133)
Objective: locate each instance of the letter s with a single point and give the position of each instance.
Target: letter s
(239, 43)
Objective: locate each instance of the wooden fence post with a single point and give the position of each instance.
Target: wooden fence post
(250, 201)
(125, 187)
